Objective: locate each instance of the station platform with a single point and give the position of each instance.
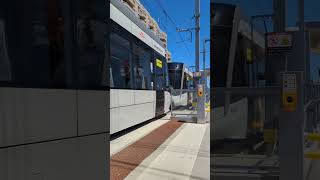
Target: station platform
(162, 149)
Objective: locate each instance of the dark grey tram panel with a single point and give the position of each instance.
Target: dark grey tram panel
(80, 158)
(52, 130)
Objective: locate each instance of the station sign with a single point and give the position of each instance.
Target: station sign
(289, 92)
(279, 42)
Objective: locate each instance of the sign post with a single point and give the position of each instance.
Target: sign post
(291, 124)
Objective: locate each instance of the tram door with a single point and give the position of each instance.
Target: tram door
(159, 84)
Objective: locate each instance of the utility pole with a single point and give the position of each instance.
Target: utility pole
(273, 69)
(280, 15)
(303, 39)
(204, 76)
(197, 42)
(200, 99)
(291, 123)
(274, 65)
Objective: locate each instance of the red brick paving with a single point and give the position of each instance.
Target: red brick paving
(125, 161)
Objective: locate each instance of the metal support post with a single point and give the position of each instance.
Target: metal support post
(197, 29)
(274, 65)
(203, 75)
(303, 37)
(204, 67)
(291, 136)
(200, 99)
(280, 15)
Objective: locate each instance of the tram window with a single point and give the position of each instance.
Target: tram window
(175, 77)
(47, 50)
(91, 33)
(141, 68)
(120, 68)
(34, 47)
(5, 67)
(36, 44)
(46, 66)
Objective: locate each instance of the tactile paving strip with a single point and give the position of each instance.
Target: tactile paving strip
(125, 161)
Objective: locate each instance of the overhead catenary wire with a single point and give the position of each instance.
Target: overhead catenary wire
(164, 11)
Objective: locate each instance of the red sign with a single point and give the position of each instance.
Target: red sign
(279, 42)
(142, 35)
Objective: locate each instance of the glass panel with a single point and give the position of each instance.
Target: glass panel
(38, 52)
(55, 44)
(120, 68)
(142, 71)
(5, 65)
(34, 44)
(91, 41)
(175, 78)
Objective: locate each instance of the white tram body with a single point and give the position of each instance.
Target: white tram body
(134, 45)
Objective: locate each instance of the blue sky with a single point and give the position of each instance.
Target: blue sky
(255, 7)
(181, 12)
